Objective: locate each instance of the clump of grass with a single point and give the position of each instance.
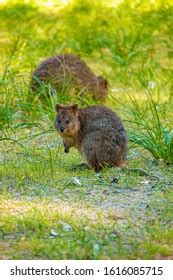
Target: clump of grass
(149, 127)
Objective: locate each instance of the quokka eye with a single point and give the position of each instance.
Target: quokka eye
(67, 122)
(59, 121)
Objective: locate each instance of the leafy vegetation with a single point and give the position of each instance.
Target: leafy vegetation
(49, 209)
(150, 126)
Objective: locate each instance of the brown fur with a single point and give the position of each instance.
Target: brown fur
(68, 71)
(96, 132)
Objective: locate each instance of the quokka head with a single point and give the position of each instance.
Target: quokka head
(66, 121)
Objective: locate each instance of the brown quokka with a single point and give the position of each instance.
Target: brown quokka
(96, 132)
(67, 72)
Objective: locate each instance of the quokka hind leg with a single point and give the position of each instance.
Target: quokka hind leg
(99, 152)
(111, 153)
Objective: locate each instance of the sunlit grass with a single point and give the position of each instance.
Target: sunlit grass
(33, 229)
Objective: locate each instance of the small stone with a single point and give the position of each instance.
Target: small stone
(66, 227)
(76, 181)
(53, 232)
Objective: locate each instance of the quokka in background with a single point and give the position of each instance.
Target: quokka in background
(69, 73)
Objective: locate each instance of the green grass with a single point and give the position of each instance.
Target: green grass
(47, 209)
(149, 123)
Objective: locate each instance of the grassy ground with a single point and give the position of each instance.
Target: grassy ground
(49, 209)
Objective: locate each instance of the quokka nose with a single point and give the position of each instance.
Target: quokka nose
(62, 129)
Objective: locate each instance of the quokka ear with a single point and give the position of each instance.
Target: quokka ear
(103, 82)
(58, 107)
(74, 107)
